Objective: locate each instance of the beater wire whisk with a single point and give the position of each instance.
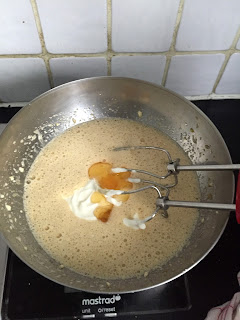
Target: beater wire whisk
(173, 169)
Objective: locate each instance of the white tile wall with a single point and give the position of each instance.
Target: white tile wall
(192, 75)
(143, 25)
(74, 26)
(208, 24)
(143, 39)
(230, 81)
(18, 32)
(148, 68)
(22, 79)
(69, 69)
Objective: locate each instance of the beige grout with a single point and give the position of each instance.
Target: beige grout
(109, 37)
(213, 96)
(165, 72)
(111, 54)
(177, 25)
(53, 55)
(173, 43)
(227, 57)
(221, 71)
(44, 54)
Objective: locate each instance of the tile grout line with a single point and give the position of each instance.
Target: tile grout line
(213, 96)
(165, 72)
(44, 54)
(227, 58)
(172, 51)
(221, 71)
(109, 37)
(52, 55)
(111, 53)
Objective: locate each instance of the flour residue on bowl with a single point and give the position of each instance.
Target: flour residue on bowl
(108, 250)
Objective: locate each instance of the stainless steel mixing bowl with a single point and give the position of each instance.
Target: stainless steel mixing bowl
(79, 101)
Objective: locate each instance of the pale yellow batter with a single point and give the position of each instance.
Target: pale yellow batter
(107, 250)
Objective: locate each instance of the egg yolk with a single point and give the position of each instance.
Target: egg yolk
(102, 172)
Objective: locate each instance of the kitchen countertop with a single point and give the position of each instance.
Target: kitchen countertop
(214, 280)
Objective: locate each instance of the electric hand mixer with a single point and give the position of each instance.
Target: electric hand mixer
(174, 168)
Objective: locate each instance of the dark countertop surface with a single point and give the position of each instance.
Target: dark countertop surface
(214, 280)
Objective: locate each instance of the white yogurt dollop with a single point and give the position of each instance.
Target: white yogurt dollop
(81, 205)
(134, 223)
(80, 202)
(119, 170)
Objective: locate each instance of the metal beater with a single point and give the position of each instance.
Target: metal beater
(173, 168)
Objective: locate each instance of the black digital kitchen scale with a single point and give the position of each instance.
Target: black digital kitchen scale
(28, 295)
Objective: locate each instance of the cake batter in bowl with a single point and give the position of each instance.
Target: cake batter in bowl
(73, 104)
